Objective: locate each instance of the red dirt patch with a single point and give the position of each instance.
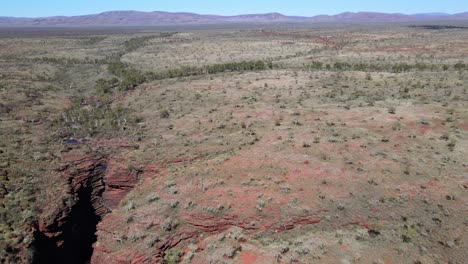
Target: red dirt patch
(248, 257)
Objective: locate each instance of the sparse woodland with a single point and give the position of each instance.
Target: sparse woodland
(326, 144)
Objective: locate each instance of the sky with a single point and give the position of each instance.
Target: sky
(41, 8)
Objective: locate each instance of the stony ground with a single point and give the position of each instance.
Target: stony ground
(289, 177)
(306, 161)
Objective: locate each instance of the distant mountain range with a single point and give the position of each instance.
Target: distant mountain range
(136, 18)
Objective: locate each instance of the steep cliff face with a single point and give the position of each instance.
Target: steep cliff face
(96, 185)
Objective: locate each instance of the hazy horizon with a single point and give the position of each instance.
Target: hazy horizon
(47, 8)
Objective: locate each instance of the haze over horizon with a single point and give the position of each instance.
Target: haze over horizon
(30, 8)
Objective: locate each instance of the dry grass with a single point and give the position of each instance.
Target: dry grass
(295, 163)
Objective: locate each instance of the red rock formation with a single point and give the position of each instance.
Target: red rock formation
(96, 184)
(81, 172)
(119, 181)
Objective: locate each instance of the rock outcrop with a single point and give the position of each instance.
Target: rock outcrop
(96, 186)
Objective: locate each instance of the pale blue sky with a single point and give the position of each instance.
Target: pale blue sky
(37, 8)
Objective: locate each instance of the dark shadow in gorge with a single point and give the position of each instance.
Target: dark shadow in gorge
(79, 235)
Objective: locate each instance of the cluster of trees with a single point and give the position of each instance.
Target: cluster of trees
(211, 69)
(117, 68)
(239, 66)
(104, 86)
(110, 59)
(129, 78)
(94, 40)
(166, 34)
(138, 42)
(65, 61)
(396, 68)
(460, 66)
(404, 67)
(99, 119)
(130, 45)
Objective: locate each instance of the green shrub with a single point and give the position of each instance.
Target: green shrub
(98, 120)
(105, 86)
(459, 66)
(172, 256)
(131, 79)
(164, 114)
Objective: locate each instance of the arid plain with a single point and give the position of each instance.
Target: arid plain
(291, 144)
